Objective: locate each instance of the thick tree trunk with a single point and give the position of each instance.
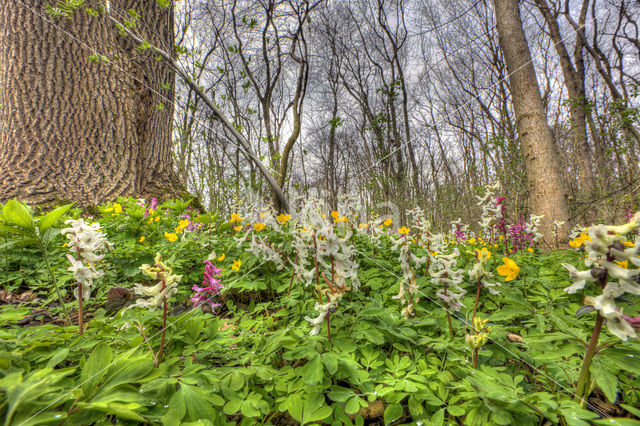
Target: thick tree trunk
(153, 96)
(73, 129)
(546, 186)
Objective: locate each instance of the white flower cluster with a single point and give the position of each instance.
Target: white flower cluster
(262, 250)
(409, 262)
(332, 248)
(490, 211)
(532, 227)
(334, 299)
(609, 244)
(167, 285)
(88, 242)
(442, 272)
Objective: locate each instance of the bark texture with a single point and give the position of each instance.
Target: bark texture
(73, 129)
(546, 186)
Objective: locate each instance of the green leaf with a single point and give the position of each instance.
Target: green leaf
(95, 368)
(16, 213)
(124, 411)
(198, 407)
(51, 218)
(177, 409)
(392, 413)
(606, 379)
(312, 371)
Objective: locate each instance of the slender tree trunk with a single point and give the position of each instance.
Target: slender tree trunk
(546, 186)
(577, 101)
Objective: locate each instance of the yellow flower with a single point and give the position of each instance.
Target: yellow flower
(236, 218)
(509, 270)
(483, 254)
(324, 216)
(263, 215)
(157, 219)
(65, 244)
(284, 218)
(501, 237)
(183, 223)
(170, 237)
(236, 264)
(623, 265)
(388, 222)
(530, 250)
(117, 208)
(237, 228)
(472, 241)
(142, 239)
(259, 226)
(335, 214)
(150, 220)
(404, 230)
(341, 219)
(433, 253)
(178, 230)
(221, 258)
(576, 242)
(628, 243)
(363, 225)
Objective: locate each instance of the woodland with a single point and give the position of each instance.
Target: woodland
(328, 212)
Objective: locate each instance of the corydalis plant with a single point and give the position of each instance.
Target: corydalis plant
(479, 274)
(608, 244)
(409, 262)
(491, 211)
(442, 272)
(88, 243)
(166, 287)
(210, 286)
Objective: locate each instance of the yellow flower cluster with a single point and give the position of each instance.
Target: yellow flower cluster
(259, 226)
(283, 218)
(580, 240)
(236, 218)
(236, 264)
(170, 236)
(181, 225)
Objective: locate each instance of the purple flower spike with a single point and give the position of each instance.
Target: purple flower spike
(210, 286)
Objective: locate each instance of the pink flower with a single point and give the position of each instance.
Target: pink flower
(633, 321)
(210, 286)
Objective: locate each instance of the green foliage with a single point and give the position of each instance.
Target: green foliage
(254, 361)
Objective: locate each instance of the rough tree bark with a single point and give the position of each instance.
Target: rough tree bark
(574, 82)
(73, 129)
(546, 186)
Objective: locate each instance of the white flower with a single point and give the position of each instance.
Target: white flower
(580, 278)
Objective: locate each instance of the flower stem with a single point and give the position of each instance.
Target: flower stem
(475, 358)
(449, 321)
(329, 328)
(164, 323)
(80, 322)
(583, 381)
(475, 306)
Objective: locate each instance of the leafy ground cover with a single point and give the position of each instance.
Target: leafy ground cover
(316, 318)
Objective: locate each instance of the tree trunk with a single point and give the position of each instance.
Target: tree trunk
(546, 186)
(90, 137)
(574, 83)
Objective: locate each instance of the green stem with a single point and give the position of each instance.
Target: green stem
(475, 306)
(54, 282)
(449, 321)
(583, 381)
